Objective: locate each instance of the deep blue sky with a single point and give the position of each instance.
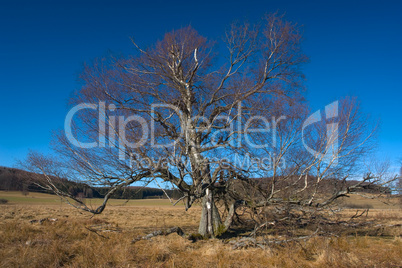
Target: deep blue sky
(354, 49)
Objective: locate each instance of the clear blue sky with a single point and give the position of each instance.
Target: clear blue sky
(354, 47)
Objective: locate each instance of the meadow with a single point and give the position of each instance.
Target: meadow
(37, 230)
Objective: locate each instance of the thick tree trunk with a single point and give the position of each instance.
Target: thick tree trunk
(210, 223)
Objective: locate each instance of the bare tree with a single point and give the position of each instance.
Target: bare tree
(325, 160)
(186, 113)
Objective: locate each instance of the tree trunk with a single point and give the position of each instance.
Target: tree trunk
(210, 223)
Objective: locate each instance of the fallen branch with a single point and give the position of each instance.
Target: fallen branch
(253, 233)
(169, 231)
(247, 242)
(41, 221)
(388, 225)
(252, 242)
(357, 215)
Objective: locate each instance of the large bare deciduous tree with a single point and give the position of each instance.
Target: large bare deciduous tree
(209, 120)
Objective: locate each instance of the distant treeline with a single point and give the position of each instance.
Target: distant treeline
(12, 179)
(140, 193)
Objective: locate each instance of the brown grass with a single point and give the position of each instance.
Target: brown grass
(68, 242)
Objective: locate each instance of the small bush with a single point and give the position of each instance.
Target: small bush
(3, 201)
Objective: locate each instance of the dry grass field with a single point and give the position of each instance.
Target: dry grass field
(77, 239)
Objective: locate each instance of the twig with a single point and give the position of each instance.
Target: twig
(94, 231)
